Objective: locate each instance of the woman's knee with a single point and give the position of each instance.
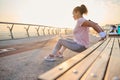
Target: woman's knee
(60, 40)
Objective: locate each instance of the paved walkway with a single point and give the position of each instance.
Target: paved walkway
(27, 65)
(24, 40)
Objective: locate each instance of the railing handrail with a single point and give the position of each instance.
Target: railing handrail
(25, 24)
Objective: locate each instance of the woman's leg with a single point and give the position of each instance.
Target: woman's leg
(70, 44)
(61, 45)
(62, 49)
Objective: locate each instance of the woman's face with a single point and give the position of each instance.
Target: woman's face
(76, 15)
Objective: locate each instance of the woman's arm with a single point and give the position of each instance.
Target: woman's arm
(92, 24)
(96, 27)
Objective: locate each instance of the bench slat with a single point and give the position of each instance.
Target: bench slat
(82, 66)
(119, 40)
(113, 71)
(56, 72)
(96, 71)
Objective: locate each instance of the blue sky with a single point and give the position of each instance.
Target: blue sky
(58, 13)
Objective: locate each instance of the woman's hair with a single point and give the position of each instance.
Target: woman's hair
(82, 9)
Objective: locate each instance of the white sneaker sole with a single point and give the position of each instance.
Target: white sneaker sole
(51, 60)
(59, 56)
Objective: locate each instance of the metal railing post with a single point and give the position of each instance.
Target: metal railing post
(55, 31)
(27, 30)
(44, 31)
(11, 29)
(37, 29)
(52, 31)
(66, 31)
(48, 30)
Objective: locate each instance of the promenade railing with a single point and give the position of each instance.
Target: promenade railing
(10, 30)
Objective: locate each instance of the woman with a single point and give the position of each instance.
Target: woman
(80, 34)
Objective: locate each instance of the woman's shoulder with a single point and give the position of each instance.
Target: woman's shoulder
(81, 20)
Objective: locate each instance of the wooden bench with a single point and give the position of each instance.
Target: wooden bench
(99, 62)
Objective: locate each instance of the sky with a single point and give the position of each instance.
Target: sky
(58, 13)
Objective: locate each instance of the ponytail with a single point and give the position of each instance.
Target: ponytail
(82, 9)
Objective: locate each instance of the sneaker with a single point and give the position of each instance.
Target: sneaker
(60, 55)
(50, 58)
